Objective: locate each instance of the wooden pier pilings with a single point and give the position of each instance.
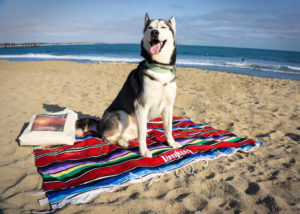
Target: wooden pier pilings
(13, 45)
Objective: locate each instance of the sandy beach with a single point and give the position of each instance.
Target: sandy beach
(266, 180)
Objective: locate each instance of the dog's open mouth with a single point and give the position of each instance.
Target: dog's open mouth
(156, 46)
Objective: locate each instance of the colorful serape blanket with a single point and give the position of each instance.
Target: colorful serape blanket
(75, 174)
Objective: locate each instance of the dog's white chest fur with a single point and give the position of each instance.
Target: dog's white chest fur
(158, 94)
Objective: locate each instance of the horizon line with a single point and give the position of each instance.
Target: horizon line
(129, 43)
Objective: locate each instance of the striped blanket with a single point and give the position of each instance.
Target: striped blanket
(75, 174)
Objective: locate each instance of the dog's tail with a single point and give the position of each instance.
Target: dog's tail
(87, 125)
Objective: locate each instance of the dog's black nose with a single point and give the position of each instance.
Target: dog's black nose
(154, 33)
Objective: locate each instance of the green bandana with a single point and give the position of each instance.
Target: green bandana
(161, 70)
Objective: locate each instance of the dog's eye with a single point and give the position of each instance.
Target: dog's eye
(163, 27)
(149, 28)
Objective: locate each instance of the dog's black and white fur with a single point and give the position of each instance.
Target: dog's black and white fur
(145, 94)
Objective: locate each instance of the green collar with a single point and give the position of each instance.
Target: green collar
(161, 70)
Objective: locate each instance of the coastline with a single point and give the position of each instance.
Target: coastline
(37, 44)
(252, 62)
(260, 108)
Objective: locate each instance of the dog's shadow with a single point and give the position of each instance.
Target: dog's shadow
(55, 108)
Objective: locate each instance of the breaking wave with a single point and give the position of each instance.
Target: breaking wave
(70, 57)
(243, 65)
(199, 63)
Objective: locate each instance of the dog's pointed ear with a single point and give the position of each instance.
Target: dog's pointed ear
(147, 20)
(173, 24)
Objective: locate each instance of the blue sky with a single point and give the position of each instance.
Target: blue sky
(270, 24)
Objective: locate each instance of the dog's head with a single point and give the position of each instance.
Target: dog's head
(158, 44)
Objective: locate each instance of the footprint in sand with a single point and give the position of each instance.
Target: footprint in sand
(135, 195)
(211, 175)
(274, 175)
(229, 178)
(290, 163)
(270, 203)
(192, 202)
(251, 168)
(294, 137)
(252, 189)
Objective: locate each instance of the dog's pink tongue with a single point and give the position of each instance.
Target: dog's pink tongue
(155, 48)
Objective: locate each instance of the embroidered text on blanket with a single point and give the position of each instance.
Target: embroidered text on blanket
(176, 154)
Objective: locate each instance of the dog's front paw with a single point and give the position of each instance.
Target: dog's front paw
(146, 153)
(174, 144)
(123, 143)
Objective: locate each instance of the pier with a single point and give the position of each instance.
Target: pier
(14, 45)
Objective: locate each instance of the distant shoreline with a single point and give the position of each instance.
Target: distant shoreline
(37, 44)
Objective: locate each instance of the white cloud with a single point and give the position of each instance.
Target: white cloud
(234, 27)
(109, 30)
(240, 27)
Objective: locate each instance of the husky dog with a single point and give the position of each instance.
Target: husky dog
(148, 92)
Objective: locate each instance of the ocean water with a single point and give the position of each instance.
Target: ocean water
(253, 62)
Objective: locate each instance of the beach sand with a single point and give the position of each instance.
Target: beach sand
(266, 180)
